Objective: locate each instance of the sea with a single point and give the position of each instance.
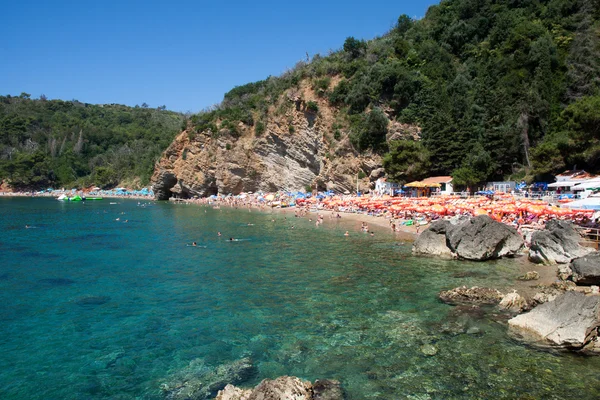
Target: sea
(108, 300)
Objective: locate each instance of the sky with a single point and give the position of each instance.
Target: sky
(182, 54)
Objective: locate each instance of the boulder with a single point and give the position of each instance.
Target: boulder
(586, 270)
(571, 321)
(482, 238)
(198, 381)
(432, 241)
(558, 243)
(474, 295)
(231, 392)
(514, 302)
(282, 388)
(285, 388)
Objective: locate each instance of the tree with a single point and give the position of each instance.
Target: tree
(370, 131)
(407, 161)
(354, 47)
(404, 24)
(474, 170)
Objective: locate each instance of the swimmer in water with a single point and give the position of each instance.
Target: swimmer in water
(218, 233)
(346, 234)
(194, 244)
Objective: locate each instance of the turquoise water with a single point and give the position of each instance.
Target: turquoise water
(95, 308)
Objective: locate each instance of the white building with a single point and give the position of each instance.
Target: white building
(382, 186)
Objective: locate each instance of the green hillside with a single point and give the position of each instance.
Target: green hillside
(58, 143)
(500, 88)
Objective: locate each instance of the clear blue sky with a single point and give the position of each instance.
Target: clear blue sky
(183, 54)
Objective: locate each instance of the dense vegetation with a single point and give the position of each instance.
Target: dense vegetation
(59, 143)
(499, 87)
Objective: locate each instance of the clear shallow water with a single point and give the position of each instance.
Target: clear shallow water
(94, 308)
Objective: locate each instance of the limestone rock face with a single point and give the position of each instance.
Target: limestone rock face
(570, 321)
(295, 150)
(586, 270)
(480, 238)
(558, 243)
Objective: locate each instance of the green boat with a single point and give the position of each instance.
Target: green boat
(75, 198)
(93, 198)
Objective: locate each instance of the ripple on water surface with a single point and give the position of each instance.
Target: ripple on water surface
(96, 308)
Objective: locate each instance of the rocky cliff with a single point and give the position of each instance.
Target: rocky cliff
(301, 145)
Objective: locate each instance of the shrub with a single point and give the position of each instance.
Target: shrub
(320, 86)
(227, 146)
(291, 129)
(312, 107)
(259, 128)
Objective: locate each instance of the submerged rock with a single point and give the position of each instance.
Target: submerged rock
(91, 301)
(479, 239)
(56, 281)
(327, 389)
(558, 243)
(571, 321)
(586, 270)
(473, 295)
(285, 388)
(429, 350)
(198, 382)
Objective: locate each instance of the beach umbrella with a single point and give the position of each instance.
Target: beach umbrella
(269, 197)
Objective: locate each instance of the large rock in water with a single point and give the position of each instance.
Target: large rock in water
(558, 243)
(432, 241)
(480, 238)
(571, 321)
(586, 270)
(285, 388)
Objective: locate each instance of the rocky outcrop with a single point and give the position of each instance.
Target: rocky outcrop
(480, 238)
(474, 295)
(558, 243)
(285, 388)
(571, 322)
(198, 381)
(586, 270)
(296, 149)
